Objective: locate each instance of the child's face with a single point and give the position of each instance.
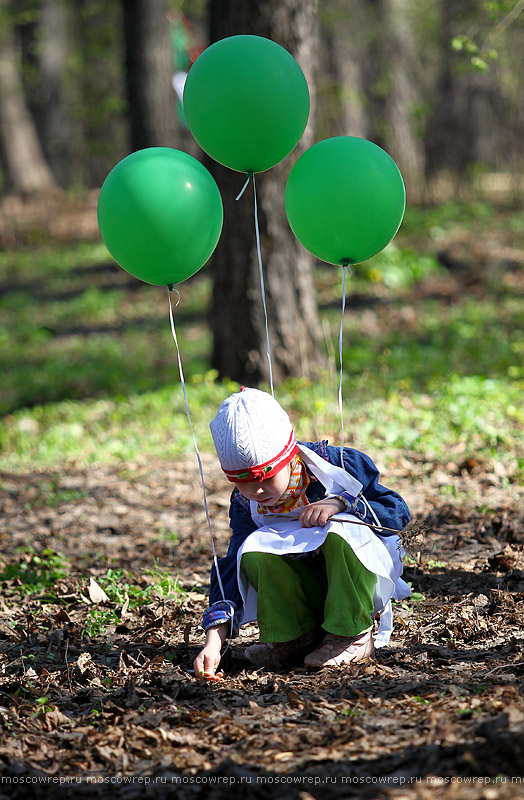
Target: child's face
(269, 491)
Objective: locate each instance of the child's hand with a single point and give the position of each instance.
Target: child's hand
(207, 661)
(318, 514)
(206, 664)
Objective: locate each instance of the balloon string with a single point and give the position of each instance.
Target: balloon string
(182, 381)
(243, 189)
(261, 274)
(262, 289)
(345, 267)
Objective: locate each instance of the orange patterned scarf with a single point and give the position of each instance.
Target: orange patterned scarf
(295, 494)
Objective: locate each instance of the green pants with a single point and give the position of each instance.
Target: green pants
(333, 591)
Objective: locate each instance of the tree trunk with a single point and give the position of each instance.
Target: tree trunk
(370, 55)
(23, 163)
(151, 96)
(402, 139)
(472, 120)
(344, 68)
(237, 318)
(54, 51)
(96, 91)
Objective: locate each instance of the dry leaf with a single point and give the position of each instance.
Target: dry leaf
(52, 719)
(84, 667)
(285, 756)
(63, 616)
(125, 607)
(96, 593)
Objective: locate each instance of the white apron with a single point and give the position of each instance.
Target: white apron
(282, 535)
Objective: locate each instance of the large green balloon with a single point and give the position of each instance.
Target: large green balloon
(160, 215)
(345, 199)
(246, 102)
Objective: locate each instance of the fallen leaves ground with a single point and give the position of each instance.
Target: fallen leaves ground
(441, 710)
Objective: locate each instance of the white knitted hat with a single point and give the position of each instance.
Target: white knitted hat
(253, 436)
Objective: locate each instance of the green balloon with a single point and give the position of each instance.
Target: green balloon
(160, 215)
(345, 199)
(246, 102)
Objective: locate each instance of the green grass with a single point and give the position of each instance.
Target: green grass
(482, 337)
(89, 370)
(29, 574)
(34, 573)
(121, 588)
(71, 333)
(451, 216)
(398, 268)
(460, 417)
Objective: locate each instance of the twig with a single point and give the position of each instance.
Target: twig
(375, 527)
(67, 665)
(506, 21)
(503, 666)
(417, 530)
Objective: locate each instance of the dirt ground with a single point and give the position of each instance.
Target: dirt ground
(439, 711)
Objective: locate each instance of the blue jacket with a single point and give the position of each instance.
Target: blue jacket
(389, 507)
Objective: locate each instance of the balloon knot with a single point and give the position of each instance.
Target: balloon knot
(171, 287)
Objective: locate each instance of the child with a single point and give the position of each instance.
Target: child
(302, 560)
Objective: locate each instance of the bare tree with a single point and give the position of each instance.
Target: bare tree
(54, 122)
(148, 73)
(237, 320)
(344, 50)
(24, 166)
(402, 138)
(370, 59)
(475, 115)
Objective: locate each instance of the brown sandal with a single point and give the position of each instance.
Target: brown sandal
(339, 650)
(280, 655)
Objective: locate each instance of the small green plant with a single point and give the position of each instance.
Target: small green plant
(120, 589)
(98, 620)
(466, 713)
(352, 713)
(35, 573)
(167, 535)
(422, 700)
(50, 493)
(43, 706)
(164, 584)
(94, 716)
(62, 496)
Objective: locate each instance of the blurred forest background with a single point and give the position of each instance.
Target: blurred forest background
(432, 346)
(438, 85)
